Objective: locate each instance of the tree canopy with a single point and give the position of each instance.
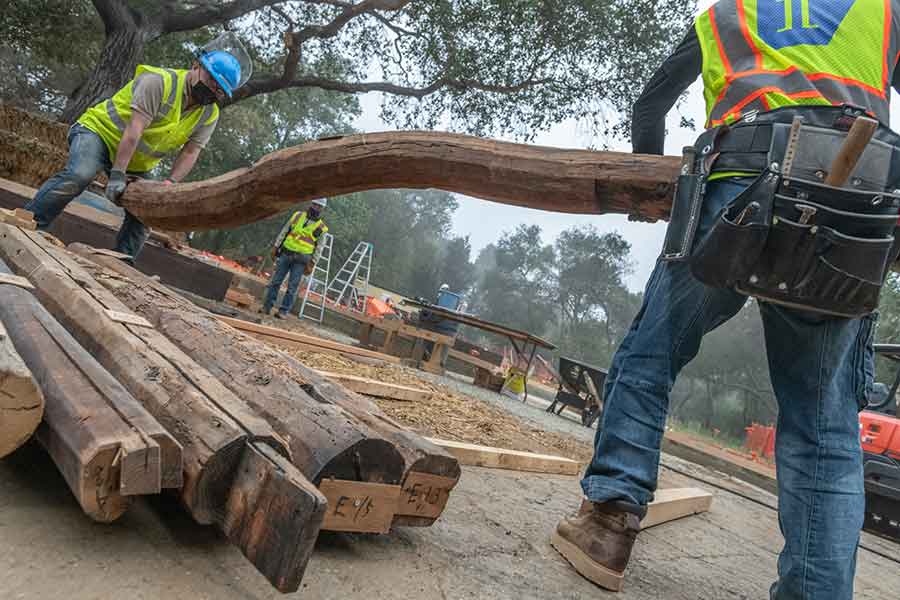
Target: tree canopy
(479, 66)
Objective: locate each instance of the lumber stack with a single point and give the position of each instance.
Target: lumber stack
(318, 416)
(236, 468)
(106, 445)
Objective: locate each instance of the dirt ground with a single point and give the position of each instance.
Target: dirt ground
(490, 543)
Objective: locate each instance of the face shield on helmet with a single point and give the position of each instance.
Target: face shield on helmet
(227, 61)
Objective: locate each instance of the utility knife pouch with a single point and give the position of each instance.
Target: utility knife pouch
(684, 218)
(728, 252)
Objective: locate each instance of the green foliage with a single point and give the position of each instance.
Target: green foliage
(511, 67)
(47, 48)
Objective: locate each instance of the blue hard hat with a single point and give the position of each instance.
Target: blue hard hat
(224, 68)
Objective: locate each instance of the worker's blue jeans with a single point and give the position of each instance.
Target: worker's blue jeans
(821, 368)
(87, 155)
(291, 265)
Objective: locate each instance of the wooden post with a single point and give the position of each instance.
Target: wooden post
(256, 370)
(216, 429)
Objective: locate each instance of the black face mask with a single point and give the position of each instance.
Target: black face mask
(313, 213)
(202, 95)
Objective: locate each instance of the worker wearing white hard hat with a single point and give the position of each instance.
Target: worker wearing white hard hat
(161, 112)
(295, 253)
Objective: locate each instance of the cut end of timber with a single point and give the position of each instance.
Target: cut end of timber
(359, 506)
(273, 516)
(21, 401)
(514, 460)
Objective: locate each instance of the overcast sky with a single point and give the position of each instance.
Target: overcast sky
(484, 221)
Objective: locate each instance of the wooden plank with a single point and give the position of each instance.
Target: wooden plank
(359, 507)
(273, 516)
(425, 334)
(675, 503)
(298, 340)
(381, 389)
(500, 458)
(473, 360)
(21, 400)
(425, 495)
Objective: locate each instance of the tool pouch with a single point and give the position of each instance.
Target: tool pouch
(827, 250)
(733, 245)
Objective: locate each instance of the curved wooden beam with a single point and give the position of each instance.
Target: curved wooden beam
(573, 181)
(553, 179)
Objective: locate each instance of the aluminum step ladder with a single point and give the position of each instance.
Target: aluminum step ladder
(351, 284)
(313, 306)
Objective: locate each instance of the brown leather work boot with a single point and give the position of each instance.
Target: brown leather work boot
(598, 542)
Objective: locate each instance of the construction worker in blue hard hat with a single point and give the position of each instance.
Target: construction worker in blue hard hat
(161, 112)
(295, 251)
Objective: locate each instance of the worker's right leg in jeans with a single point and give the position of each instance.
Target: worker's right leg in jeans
(87, 155)
(677, 311)
(282, 268)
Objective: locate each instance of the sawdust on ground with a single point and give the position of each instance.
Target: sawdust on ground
(450, 415)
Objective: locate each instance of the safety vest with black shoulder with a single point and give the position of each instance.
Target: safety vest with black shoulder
(795, 101)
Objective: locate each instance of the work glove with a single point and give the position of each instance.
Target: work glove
(115, 187)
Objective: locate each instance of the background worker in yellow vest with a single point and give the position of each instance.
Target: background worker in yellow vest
(158, 113)
(295, 254)
(751, 218)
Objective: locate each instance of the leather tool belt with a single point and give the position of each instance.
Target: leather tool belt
(789, 238)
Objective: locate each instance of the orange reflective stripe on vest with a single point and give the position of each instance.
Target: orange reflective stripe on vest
(764, 54)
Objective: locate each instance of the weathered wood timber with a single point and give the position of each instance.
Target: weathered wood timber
(21, 400)
(325, 439)
(572, 181)
(215, 428)
(273, 515)
(278, 382)
(102, 440)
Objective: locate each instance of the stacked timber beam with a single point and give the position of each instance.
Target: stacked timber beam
(318, 416)
(106, 445)
(237, 472)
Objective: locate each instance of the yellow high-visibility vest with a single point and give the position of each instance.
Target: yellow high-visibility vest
(759, 55)
(167, 132)
(303, 235)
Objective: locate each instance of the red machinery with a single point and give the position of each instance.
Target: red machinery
(880, 435)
